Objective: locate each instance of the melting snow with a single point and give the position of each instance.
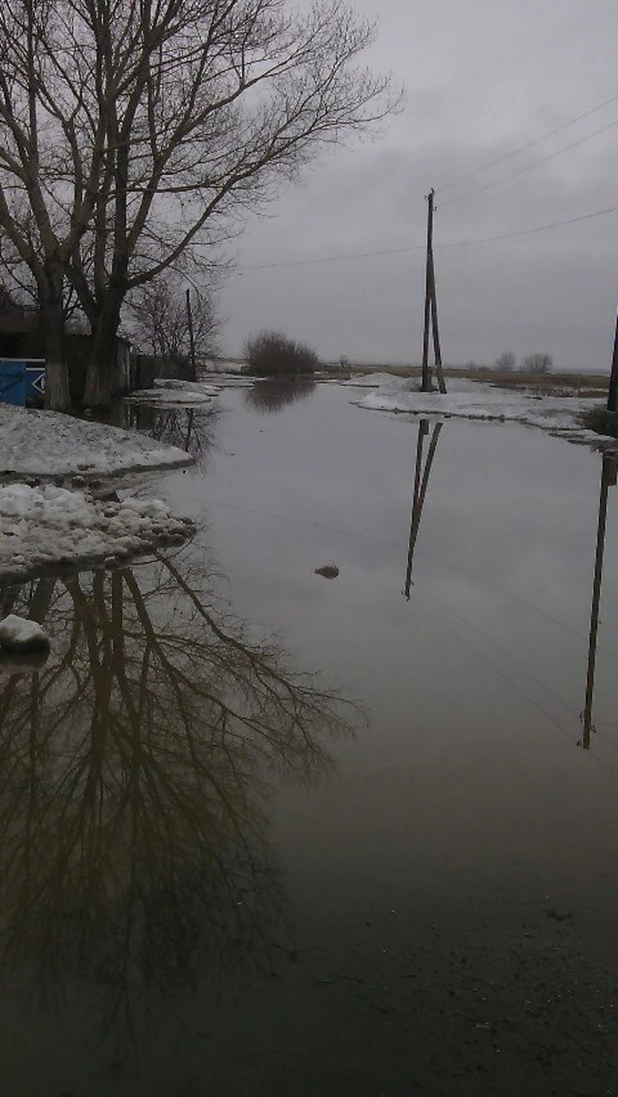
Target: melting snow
(476, 400)
(47, 525)
(187, 393)
(47, 443)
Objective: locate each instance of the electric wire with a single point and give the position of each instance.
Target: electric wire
(528, 145)
(529, 167)
(421, 247)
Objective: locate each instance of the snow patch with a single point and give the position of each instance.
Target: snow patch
(480, 401)
(47, 526)
(48, 443)
(175, 391)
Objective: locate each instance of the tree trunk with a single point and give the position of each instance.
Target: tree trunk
(57, 391)
(101, 365)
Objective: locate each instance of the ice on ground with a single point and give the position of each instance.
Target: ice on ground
(48, 443)
(173, 391)
(46, 526)
(186, 386)
(481, 401)
(369, 381)
(17, 634)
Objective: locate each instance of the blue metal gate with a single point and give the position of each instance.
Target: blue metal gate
(13, 381)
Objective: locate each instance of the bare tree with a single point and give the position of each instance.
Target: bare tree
(505, 362)
(134, 136)
(159, 323)
(537, 363)
(271, 354)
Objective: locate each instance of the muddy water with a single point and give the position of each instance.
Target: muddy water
(220, 877)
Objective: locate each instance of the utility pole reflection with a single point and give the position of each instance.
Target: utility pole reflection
(421, 480)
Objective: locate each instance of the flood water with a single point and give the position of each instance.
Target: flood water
(266, 833)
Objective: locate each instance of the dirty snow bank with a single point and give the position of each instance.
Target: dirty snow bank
(47, 443)
(477, 400)
(47, 525)
(370, 381)
(175, 391)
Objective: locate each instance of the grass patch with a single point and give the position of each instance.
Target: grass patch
(601, 421)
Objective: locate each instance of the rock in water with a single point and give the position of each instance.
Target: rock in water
(328, 571)
(18, 634)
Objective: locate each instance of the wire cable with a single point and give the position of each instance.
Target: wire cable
(422, 247)
(528, 145)
(528, 232)
(528, 167)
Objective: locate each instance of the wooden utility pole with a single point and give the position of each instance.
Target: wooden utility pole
(612, 396)
(425, 371)
(431, 310)
(437, 349)
(191, 338)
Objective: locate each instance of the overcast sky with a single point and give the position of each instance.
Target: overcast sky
(483, 77)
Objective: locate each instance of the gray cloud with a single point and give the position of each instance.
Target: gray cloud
(483, 78)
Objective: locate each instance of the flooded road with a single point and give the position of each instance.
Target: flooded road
(397, 876)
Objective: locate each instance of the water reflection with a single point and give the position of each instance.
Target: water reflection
(608, 479)
(191, 429)
(422, 472)
(272, 395)
(136, 766)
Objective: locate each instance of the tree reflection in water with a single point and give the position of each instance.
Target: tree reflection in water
(274, 395)
(189, 428)
(135, 767)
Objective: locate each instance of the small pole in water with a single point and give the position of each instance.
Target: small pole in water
(191, 338)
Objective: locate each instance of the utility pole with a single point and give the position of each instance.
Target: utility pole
(431, 310)
(437, 349)
(425, 371)
(191, 338)
(612, 395)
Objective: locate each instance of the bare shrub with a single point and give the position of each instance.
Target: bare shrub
(271, 354)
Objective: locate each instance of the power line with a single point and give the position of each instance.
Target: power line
(334, 258)
(421, 247)
(524, 148)
(530, 232)
(529, 167)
